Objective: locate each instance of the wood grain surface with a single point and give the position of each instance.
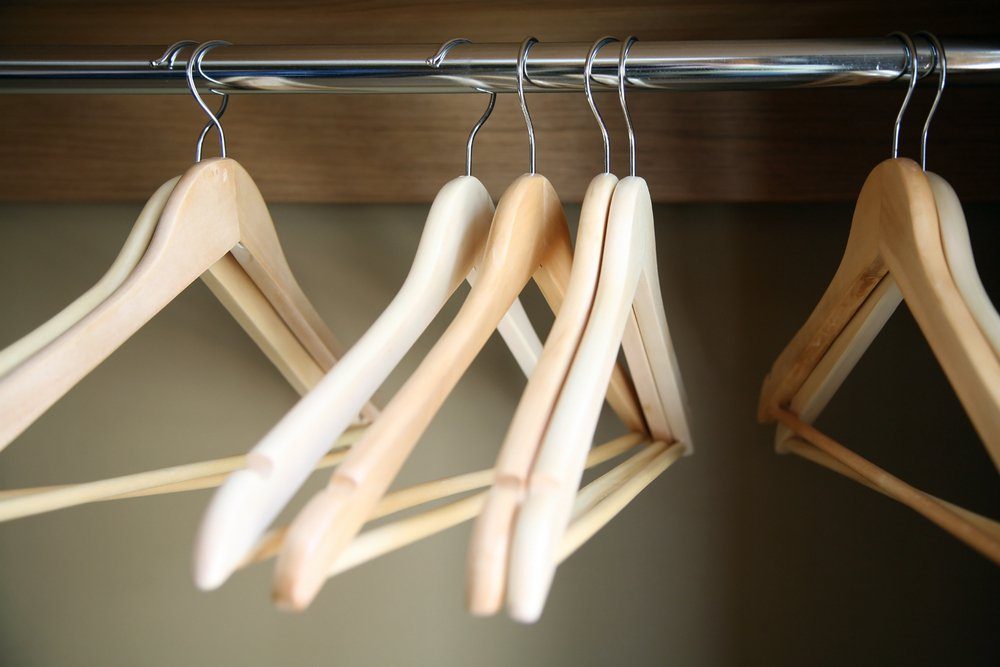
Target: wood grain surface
(814, 145)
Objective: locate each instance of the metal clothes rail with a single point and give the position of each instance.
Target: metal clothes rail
(551, 67)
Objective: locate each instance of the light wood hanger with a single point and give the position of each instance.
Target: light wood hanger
(490, 538)
(490, 543)
(214, 209)
(130, 254)
(628, 286)
(248, 502)
(908, 239)
(227, 281)
(628, 283)
(895, 248)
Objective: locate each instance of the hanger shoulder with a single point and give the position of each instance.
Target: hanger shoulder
(958, 251)
(197, 227)
(528, 230)
(248, 502)
(910, 241)
(860, 270)
(132, 250)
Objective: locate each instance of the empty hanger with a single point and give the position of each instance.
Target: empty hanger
(628, 284)
(450, 245)
(214, 209)
(130, 254)
(895, 250)
(488, 548)
(529, 238)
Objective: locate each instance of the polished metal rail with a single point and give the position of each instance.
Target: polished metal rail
(703, 65)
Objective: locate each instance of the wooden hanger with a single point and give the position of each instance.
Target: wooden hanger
(627, 287)
(895, 243)
(248, 502)
(490, 543)
(130, 254)
(930, 240)
(214, 209)
(628, 283)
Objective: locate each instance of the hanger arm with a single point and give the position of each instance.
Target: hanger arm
(198, 226)
(910, 240)
(130, 254)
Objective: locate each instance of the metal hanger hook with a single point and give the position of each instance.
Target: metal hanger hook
(911, 67)
(438, 58)
(170, 55)
(436, 61)
(196, 61)
(522, 62)
(626, 46)
(941, 65)
(587, 70)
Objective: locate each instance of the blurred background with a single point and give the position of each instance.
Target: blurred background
(734, 556)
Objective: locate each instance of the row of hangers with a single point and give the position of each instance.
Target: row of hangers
(909, 242)
(213, 223)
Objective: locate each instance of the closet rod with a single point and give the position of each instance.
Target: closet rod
(551, 67)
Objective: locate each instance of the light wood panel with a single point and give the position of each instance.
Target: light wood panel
(755, 146)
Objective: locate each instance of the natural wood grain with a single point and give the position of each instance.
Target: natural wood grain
(896, 249)
(756, 146)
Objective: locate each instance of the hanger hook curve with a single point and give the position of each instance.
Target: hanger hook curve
(522, 73)
(626, 46)
(436, 61)
(170, 55)
(941, 65)
(196, 61)
(587, 70)
(911, 67)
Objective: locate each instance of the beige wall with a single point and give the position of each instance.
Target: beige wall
(734, 556)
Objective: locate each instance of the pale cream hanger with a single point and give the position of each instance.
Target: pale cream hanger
(628, 284)
(895, 249)
(450, 245)
(529, 238)
(214, 209)
(128, 257)
(489, 545)
(227, 281)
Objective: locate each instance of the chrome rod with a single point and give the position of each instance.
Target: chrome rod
(552, 67)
